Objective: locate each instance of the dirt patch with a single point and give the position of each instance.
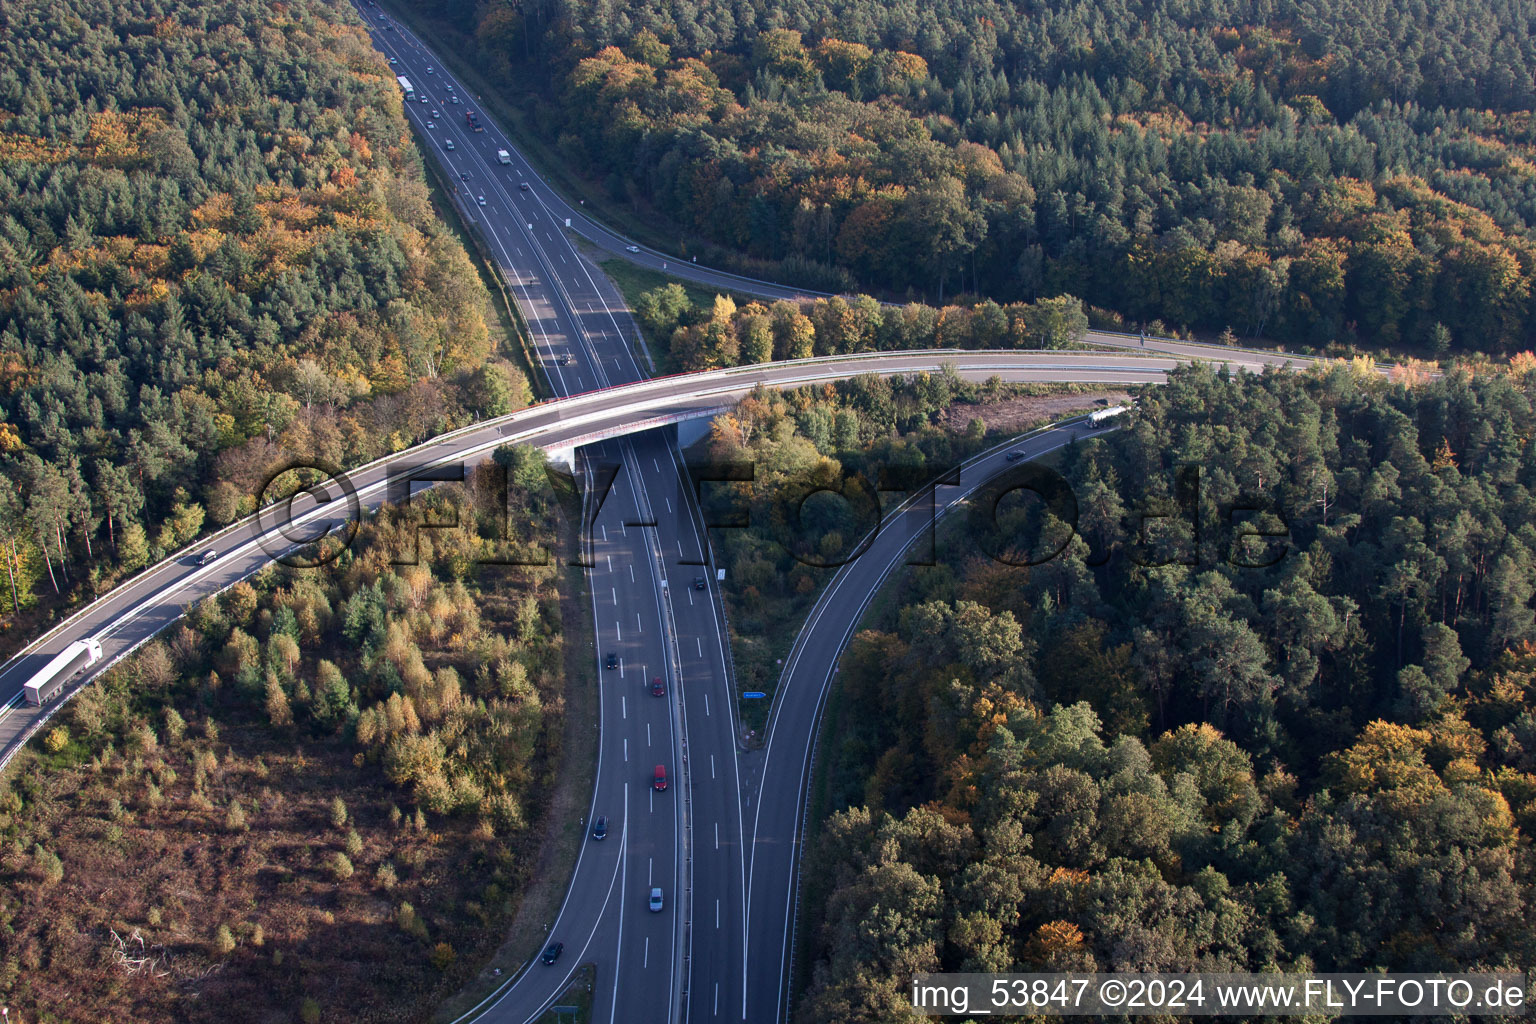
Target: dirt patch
(1018, 413)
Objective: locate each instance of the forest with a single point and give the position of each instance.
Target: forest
(321, 771)
(1143, 738)
(217, 251)
(1343, 170)
(844, 437)
(727, 334)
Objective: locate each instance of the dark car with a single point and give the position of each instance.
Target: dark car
(699, 583)
(659, 780)
(1014, 456)
(552, 952)
(600, 828)
(463, 176)
(522, 186)
(658, 688)
(613, 661)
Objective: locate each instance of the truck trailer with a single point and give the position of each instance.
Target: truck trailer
(406, 87)
(47, 682)
(1101, 417)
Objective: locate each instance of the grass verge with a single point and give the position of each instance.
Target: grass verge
(632, 281)
(575, 1004)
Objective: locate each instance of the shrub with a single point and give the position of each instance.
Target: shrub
(223, 940)
(341, 867)
(49, 867)
(443, 956)
(56, 740)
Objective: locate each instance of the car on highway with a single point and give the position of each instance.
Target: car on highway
(463, 176)
(208, 557)
(552, 952)
(522, 186)
(658, 688)
(437, 113)
(631, 248)
(659, 780)
(480, 200)
(699, 583)
(431, 124)
(448, 144)
(393, 62)
(656, 900)
(565, 359)
(1014, 456)
(600, 828)
(453, 99)
(612, 661)
(431, 70)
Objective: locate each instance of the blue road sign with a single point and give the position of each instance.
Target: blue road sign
(753, 695)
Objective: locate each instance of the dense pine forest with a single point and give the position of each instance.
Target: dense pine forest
(1349, 170)
(1170, 747)
(216, 251)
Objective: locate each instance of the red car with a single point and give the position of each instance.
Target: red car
(658, 688)
(661, 777)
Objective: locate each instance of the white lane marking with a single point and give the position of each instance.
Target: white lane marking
(626, 749)
(717, 999)
(717, 835)
(605, 533)
(610, 562)
(717, 913)
(623, 706)
(700, 641)
(615, 592)
(706, 705)
(637, 623)
(647, 961)
(620, 631)
(631, 574)
(650, 867)
(657, 465)
(669, 512)
(648, 735)
(690, 597)
(712, 770)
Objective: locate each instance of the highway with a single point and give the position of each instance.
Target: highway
(727, 825)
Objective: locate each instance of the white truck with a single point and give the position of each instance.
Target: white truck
(406, 87)
(1101, 417)
(503, 157)
(46, 683)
